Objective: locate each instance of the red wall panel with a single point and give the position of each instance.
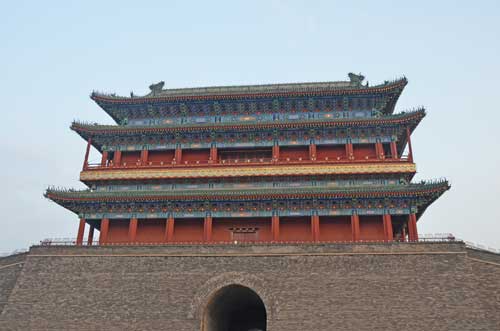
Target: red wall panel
(188, 229)
(371, 228)
(361, 151)
(130, 158)
(193, 155)
(295, 229)
(335, 228)
(150, 230)
(221, 228)
(161, 156)
(118, 231)
(294, 152)
(330, 151)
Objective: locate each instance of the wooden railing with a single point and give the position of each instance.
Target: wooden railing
(249, 161)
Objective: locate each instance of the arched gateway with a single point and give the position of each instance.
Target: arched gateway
(234, 308)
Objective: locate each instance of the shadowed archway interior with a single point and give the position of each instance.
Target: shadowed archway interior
(235, 308)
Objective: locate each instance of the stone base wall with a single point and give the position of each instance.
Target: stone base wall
(397, 286)
(10, 268)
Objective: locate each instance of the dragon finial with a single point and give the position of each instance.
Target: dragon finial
(356, 79)
(156, 88)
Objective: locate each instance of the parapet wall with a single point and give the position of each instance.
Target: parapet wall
(397, 286)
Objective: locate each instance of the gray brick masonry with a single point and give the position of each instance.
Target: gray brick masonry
(399, 286)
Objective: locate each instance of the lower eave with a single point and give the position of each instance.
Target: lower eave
(430, 190)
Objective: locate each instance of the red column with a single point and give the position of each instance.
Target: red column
(275, 227)
(349, 151)
(412, 228)
(380, 150)
(117, 159)
(410, 150)
(87, 152)
(207, 228)
(103, 237)
(132, 230)
(394, 150)
(276, 152)
(90, 239)
(169, 231)
(144, 157)
(388, 227)
(315, 227)
(312, 151)
(178, 154)
(355, 227)
(104, 158)
(213, 154)
(81, 231)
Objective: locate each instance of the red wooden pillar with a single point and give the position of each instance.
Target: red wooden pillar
(379, 149)
(312, 151)
(213, 154)
(412, 228)
(275, 227)
(355, 227)
(349, 150)
(103, 237)
(117, 159)
(394, 150)
(90, 239)
(169, 229)
(144, 157)
(104, 158)
(276, 152)
(315, 227)
(388, 227)
(81, 231)
(410, 150)
(207, 228)
(87, 152)
(132, 230)
(178, 154)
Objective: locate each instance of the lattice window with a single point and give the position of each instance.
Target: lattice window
(244, 234)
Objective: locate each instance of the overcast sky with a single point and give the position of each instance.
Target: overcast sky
(53, 54)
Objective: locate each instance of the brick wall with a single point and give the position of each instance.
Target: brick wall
(10, 268)
(403, 286)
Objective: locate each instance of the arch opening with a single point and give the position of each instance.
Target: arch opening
(235, 308)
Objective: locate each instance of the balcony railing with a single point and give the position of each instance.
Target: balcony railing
(243, 162)
(434, 238)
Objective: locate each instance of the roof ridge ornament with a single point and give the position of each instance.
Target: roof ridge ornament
(156, 88)
(356, 79)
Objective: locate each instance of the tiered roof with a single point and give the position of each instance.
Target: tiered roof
(111, 103)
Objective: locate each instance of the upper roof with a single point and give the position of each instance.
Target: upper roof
(109, 101)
